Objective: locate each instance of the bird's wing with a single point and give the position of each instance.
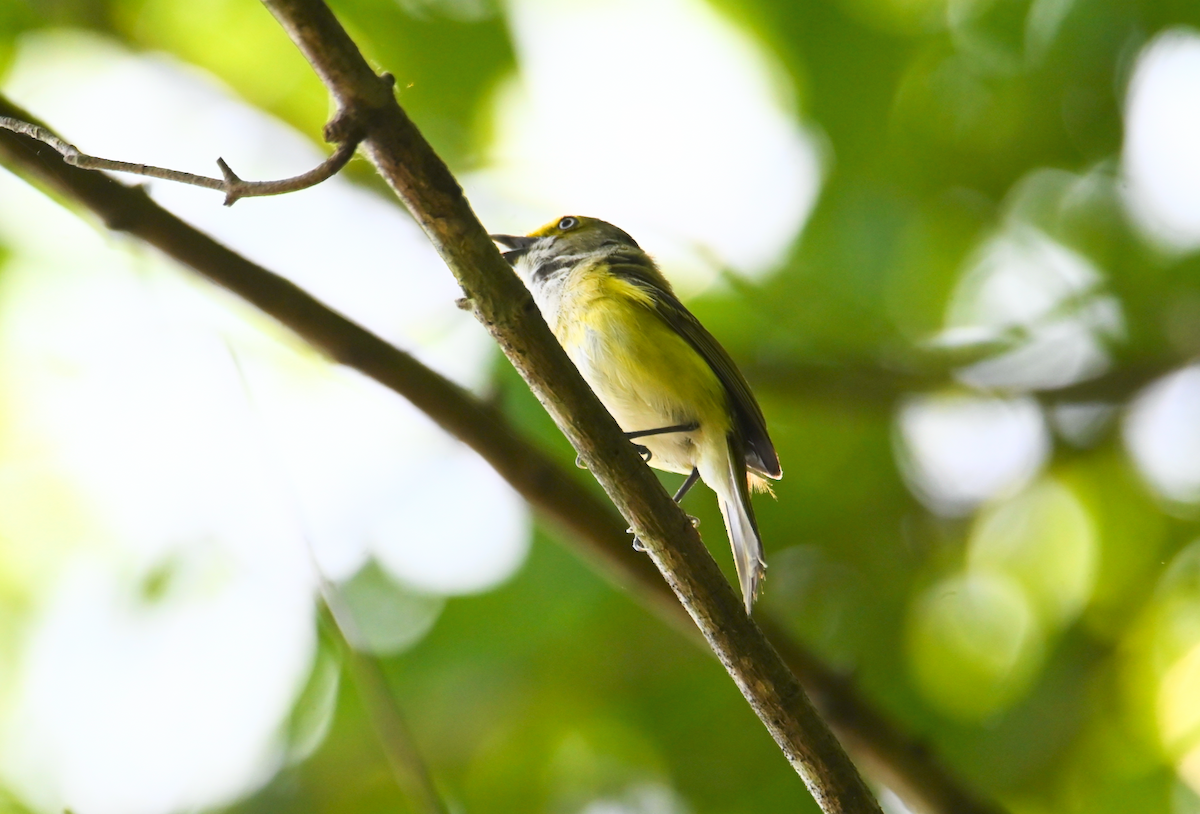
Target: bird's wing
(760, 452)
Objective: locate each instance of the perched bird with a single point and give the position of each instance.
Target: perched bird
(660, 374)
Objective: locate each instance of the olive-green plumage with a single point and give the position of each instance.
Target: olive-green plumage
(653, 366)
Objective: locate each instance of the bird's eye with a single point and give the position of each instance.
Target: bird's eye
(568, 223)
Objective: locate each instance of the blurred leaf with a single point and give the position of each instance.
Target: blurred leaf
(316, 706)
(239, 42)
(446, 55)
(380, 616)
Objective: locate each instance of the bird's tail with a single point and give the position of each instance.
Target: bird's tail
(733, 495)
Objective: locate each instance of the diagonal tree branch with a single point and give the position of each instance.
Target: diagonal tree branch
(900, 761)
(501, 302)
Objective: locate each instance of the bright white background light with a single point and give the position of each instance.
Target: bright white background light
(956, 451)
(1162, 130)
(656, 115)
(1049, 297)
(173, 458)
(1162, 432)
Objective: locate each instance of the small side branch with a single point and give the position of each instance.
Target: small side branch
(233, 186)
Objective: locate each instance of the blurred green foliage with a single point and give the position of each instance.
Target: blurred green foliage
(1034, 642)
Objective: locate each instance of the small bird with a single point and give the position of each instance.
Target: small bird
(661, 375)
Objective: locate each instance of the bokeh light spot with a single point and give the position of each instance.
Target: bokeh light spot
(1162, 433)
(1040, 300)
(974, 643)
(1162, 128)
(1179, 703)
(122, 708)
(1045, 540)
(957, 451)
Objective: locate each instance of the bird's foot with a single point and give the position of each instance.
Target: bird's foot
(638, 545)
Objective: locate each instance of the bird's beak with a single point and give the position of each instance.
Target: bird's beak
(516, 244)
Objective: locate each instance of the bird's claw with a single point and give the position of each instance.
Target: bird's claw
(644, 452)
(637, 541)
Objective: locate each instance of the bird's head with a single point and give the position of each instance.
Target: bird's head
(562, 243)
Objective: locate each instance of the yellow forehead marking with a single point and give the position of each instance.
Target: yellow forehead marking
(552, 227)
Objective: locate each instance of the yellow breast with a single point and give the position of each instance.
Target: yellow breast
(644, 372)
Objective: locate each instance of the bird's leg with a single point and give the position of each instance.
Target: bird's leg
(683, 490)
(687, 485)
(645, 451)
(691, 425)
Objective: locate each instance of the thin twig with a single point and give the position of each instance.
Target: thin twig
(233, 187)
(598, 532)
(408, 767)
(870, 386)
